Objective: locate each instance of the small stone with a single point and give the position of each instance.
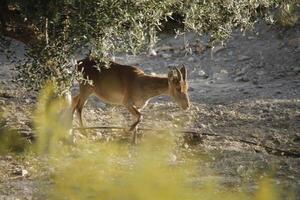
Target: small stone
(259, 73)
(191, 89)
(223, 71)
(8, 157)
(242, 71)
(202, 74)
(279, 75)
(216, 49)
(20, 172)
(240, 169)
(296, 69)
(173, 158)
(165, 55)
(191, 59)
(186, 146)
(290, 73)
(243, 58)
(203, 126)
(152, 52)
(24, 172)
(294, 42)
(219, 112)
(255, 81)
(241, 79)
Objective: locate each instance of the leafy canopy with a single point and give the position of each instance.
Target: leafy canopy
(56, 30)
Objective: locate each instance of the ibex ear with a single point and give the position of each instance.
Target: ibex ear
(183, 72)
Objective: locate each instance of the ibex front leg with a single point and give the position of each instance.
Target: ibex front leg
(133, 110)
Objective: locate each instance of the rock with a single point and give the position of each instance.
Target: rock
(279, 75)
(241, 79)
(294, 42)
(172, 158)
(8, 157)
(203, 126)
(240, 169)
(191, 89)
(223, 71)
(296, 69)
(202, 74)
(290, 73)
(165, 55)
(20, 172)
(219, 112)
(186, 146)
(191, 59)
(255, 82)
(217, 49)
(242, 71)
(152, 52)
(243, 58)
(260, 64)
(260, 73)
(165, 48)
(296, 139)
(24, 172)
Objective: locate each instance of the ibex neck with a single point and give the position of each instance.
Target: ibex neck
(154, 86)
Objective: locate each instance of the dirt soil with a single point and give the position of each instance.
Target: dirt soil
(248, 88)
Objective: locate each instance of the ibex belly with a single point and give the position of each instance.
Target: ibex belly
(109, 90)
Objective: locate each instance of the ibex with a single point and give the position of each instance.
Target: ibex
(128, 86)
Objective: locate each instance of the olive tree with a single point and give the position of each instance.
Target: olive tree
(54, 30)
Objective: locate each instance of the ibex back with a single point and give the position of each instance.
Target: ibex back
(128, 86)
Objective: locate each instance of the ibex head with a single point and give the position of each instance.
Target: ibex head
(178, 86)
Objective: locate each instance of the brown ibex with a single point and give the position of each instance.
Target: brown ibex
(128, 86)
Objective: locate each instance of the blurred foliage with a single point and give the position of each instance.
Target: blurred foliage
(286, 15)
(52, 119)
(65, 28)
(12, 141)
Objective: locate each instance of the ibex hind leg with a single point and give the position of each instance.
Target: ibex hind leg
(133, 128)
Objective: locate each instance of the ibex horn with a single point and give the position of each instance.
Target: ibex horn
(178, 73)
